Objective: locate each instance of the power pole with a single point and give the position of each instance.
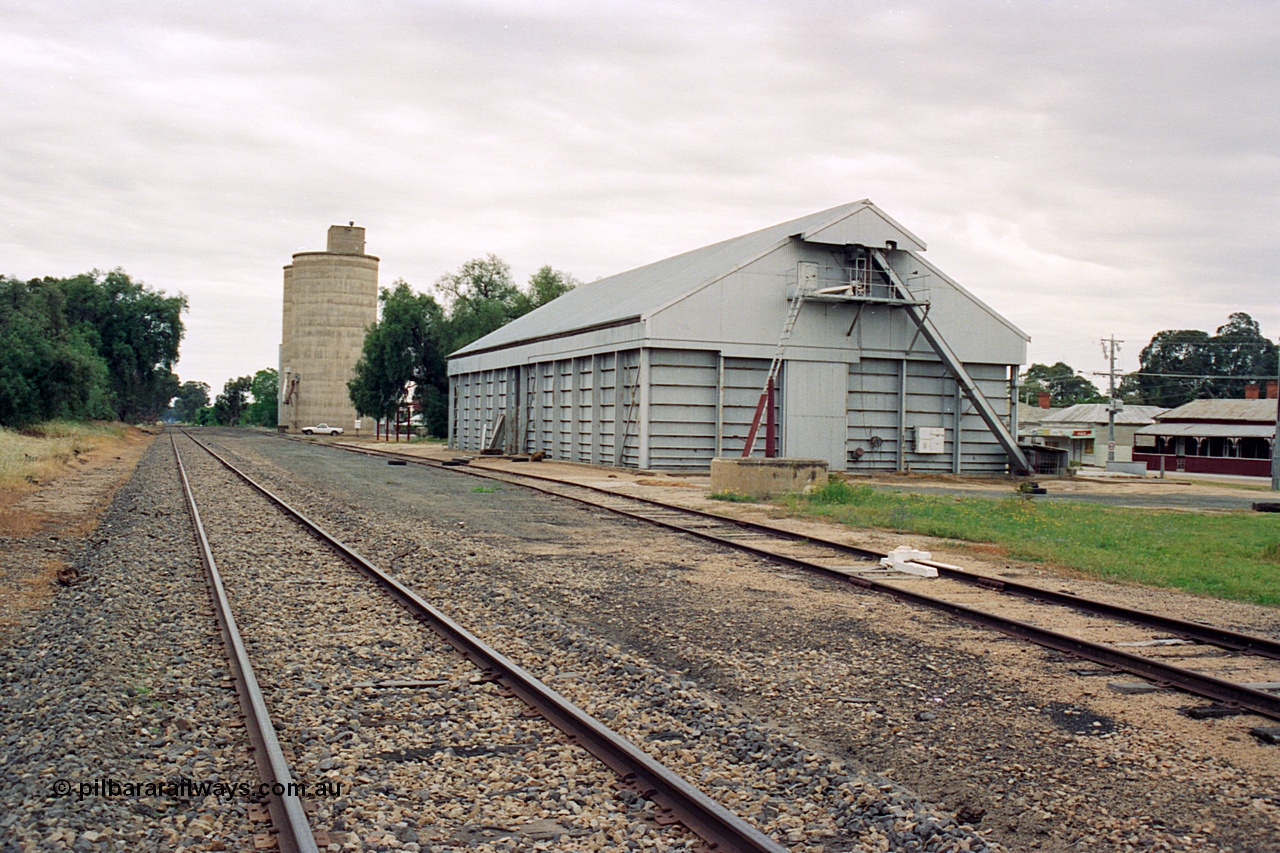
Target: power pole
(1113, 405)
(1275, 442)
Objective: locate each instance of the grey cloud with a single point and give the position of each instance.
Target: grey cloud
(1117, 155)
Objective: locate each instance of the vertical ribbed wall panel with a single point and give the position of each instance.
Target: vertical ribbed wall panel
(682, 407)
(931, 401)
(873, 415)
(564, 409)
(608, 396)
(628, 408)
(743, 382)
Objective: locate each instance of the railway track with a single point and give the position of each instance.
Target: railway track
(380, 670)
(1232, 669)
(292, 830)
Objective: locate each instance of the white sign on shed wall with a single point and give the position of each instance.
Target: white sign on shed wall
(931, 439)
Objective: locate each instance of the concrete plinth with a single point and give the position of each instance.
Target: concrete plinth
(762, 478)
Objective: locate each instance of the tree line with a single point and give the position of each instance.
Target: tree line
(1176, 367)
(244, 401)
(102, 346)
(93, 346)
(407, 347)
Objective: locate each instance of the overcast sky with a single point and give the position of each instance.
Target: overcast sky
(1086, 169)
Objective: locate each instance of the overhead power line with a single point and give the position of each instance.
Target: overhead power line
(1187, 375)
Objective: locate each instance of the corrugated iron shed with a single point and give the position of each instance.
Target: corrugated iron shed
(662, 366)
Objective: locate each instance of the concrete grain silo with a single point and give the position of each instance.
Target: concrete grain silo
(330, 300)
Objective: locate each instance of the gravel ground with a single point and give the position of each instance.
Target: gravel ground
(803, 797)
(122, 680)
(995, 731)
(809, 721)
(43, 525)
(451, 766)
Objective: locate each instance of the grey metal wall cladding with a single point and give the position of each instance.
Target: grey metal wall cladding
(588, 409)
(567, 408)
(480, 397)
(606, 396)
(683, 386)
(743, 380)
(627, 410)
(882, 424)
(584, 408)
(564, 409)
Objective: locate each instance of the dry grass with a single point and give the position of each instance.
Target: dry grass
(44, 452)
(655, 481)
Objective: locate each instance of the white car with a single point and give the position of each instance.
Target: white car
(322, 429)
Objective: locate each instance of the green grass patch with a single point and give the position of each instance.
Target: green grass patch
(484, 490)
(42, 451)
(733, 497)
(1229, 555)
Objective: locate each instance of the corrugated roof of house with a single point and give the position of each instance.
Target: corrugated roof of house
(1261, 411)
(637, 293)
(1096, 413)
(1201, 430)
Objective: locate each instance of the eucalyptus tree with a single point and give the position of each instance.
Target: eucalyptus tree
(137, 331)
(192, 397)
(1064, 386)
(405, 347)
(409, 345)
(91, 346)
(1181, 365)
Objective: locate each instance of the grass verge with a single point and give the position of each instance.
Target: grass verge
(730, 496)
(1228, 555)
(43, 451)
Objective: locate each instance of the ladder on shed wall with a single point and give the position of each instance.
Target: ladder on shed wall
(621, 372)
(970, 388)
(774, 366)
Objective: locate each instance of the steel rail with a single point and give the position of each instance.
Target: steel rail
(1220, 690)
(1225, 638)
(717, 826)
(1236, 641)
(1222, 637)
(293, 831)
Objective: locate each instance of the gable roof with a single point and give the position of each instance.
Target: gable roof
(1028, 415)
(1096, 413)
(637, 293)
(1262, 411)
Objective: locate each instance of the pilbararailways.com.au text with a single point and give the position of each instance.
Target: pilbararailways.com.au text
(191, 789)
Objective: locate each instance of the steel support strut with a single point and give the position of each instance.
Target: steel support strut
(967, 385)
